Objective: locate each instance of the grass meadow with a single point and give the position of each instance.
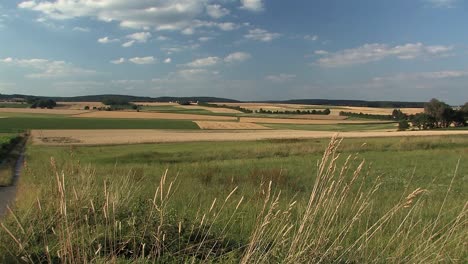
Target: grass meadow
(388, 200)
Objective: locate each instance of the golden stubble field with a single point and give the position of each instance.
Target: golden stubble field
(228, 125)
(122, 136)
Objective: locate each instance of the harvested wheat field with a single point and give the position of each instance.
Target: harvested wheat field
(228, 125)
(304, 121)
(153, 115)
(78, 105)
(42, 111)
(109, 137)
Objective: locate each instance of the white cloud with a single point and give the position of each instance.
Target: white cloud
(321, 52)
(283, 77)
(128, 44)
(237, 57)
(188, 31)
(423, 76)
(311, 37)
(127, 82)
(81, 29)
(228, 26)
(204, 62)
(141, 37)
(106, 40)
(252, 5)
(376, 52)
(162, 38)
(216, 11)
(170, 15)
(44, 69)
(143, 60)
(261, 35)
(204, 39)
(441, 3)
(168, 60)
(118, 61)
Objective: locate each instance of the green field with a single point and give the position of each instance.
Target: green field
(13, 105)
(20, 123)
(117, 204)
(335, 127)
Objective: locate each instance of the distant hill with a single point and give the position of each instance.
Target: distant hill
(207, 99)
(102, 97)
(360, 103)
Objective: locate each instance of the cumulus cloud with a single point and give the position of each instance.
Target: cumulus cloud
(376, 52)
(174, 15)
(204, 62)
(237, 57)
(441, 3)
(252, 5)
(423, 76)
(204, 39)
(168, 60)
(143, 60)
(311, 37)
(321, 52)
(81, 29)
(139, 37)
(216, 11)
(44, 69)
(106, 40)
(261, 35)
(118, 61)
(282, 77)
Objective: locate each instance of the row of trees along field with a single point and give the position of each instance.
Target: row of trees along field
(297, 112)
(42, 103)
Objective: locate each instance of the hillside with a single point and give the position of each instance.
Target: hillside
(102, 97)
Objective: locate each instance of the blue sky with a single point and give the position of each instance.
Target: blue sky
(242, 49)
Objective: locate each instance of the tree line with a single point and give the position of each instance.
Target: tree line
(297, 112)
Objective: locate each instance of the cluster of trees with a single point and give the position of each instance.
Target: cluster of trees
(438, 114)
(372, 116)
(297, 112)
(238, 108)
(117, 103)
(42, 103)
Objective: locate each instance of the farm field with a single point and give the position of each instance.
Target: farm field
(109, 192)
(42, 111)
(228, 125)
(122, 136)
(20, 123)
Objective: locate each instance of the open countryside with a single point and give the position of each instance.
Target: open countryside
(240, 131)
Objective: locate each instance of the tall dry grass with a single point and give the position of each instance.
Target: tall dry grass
(81, 220)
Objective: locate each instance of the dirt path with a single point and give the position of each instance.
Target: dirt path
(8, 194)
(109, 137)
